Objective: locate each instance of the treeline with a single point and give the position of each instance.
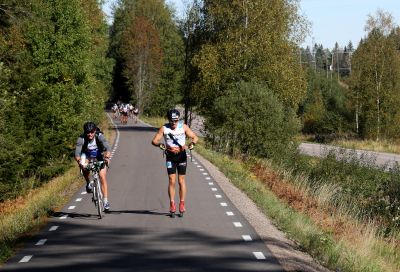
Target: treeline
(54, 75)
(148, 49)
(356, 92)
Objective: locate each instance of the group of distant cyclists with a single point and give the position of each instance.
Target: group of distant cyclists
(124, 112)
(92, 145)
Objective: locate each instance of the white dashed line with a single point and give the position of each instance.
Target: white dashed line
(259, 255)
(78, 199)
(230, 214)
(223, 204)
(208, 178)
(214, 189)
(247, 238)
(211, 183)
(41, 242)
(83, 193)
(198, 166)
(53, 228)
(26, 259)
(205, 174)
(63, 217)
(218, 196)
(237, 224)
(71, 207)
(195, 162)
(201, 169)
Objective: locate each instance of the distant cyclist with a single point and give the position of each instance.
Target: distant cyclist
(93, 145)
(174, 133)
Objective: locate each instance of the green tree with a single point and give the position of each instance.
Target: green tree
(250, 40)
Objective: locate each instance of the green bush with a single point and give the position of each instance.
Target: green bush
(250, 120)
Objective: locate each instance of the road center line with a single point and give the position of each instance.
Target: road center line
(71, 207)
(26, 259)
(53, 228)
(223, 204)
(218, 196)
(237, 224)
(230, 214)
(247, 238)
(259, 255)
(41, 242)
(78, 199)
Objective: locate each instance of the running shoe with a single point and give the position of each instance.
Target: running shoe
(106, 206)
(182, 207)
(172, 207)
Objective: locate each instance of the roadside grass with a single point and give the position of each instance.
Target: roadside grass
(22, 217)
(329, 233)
(154, 121)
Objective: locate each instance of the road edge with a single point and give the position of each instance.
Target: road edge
(275, 240)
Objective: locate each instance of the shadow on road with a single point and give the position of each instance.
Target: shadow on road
(137, 212)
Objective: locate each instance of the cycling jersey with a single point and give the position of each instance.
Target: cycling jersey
(92, 149)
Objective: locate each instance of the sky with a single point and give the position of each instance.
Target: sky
(331, 20)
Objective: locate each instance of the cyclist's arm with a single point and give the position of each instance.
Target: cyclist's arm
(157, 138)
(190, 134)
(106, 146)
(78, 149)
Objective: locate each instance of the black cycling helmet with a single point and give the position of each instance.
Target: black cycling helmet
(89, 126)
(173, 115)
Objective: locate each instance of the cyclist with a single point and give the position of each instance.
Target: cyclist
(174, 133)
(92, 144)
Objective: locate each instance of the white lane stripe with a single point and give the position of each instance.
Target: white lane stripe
(237, 224)
(211, 183)
(205, 174)
(223, 204)
(214, 189)
(198, 166)
(201, 169)
(208, 178)
(78, 199)
(195, 162)
(53, 228)
(41, 242)
(247, 238)
(230, 214)
(71, 207)
(64, 217)
(26, 259)
(218, 196)
(259, 255)
(83, 193)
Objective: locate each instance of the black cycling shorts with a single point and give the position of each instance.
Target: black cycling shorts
(176, 162)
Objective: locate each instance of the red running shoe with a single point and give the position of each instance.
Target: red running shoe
(182, 207)
(172, 207)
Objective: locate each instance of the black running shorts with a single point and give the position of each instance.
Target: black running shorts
(176, 162)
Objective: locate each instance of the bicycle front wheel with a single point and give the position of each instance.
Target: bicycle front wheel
(99, 199)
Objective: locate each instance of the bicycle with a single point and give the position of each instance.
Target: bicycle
(95, 166)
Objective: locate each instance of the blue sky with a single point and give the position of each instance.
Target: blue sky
(332, 20)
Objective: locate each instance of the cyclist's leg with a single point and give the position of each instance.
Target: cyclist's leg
(103, 180)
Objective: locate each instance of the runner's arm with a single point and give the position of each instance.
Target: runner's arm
(190, 134)
(157, 138)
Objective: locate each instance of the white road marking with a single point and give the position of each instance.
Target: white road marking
(223, 204)
(71, 207)
(78, 199)
(41, 242)
(247, 238)
(259, 255)
(237, 224)
(214, 189)
(208, 178)
(201, 169)
(83, 193)
(218, 196)
(195, 162)
(64, 217)
(205, 174)
(230, 214)
(53, 228)
(26, 259)
(211, 183)
(198, 166)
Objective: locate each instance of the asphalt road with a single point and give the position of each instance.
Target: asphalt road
(138, 234)
(380, 160)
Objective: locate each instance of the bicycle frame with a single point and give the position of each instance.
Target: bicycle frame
(97, 197)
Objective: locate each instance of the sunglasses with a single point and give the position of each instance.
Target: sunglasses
(173, 121)
(91, 132)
